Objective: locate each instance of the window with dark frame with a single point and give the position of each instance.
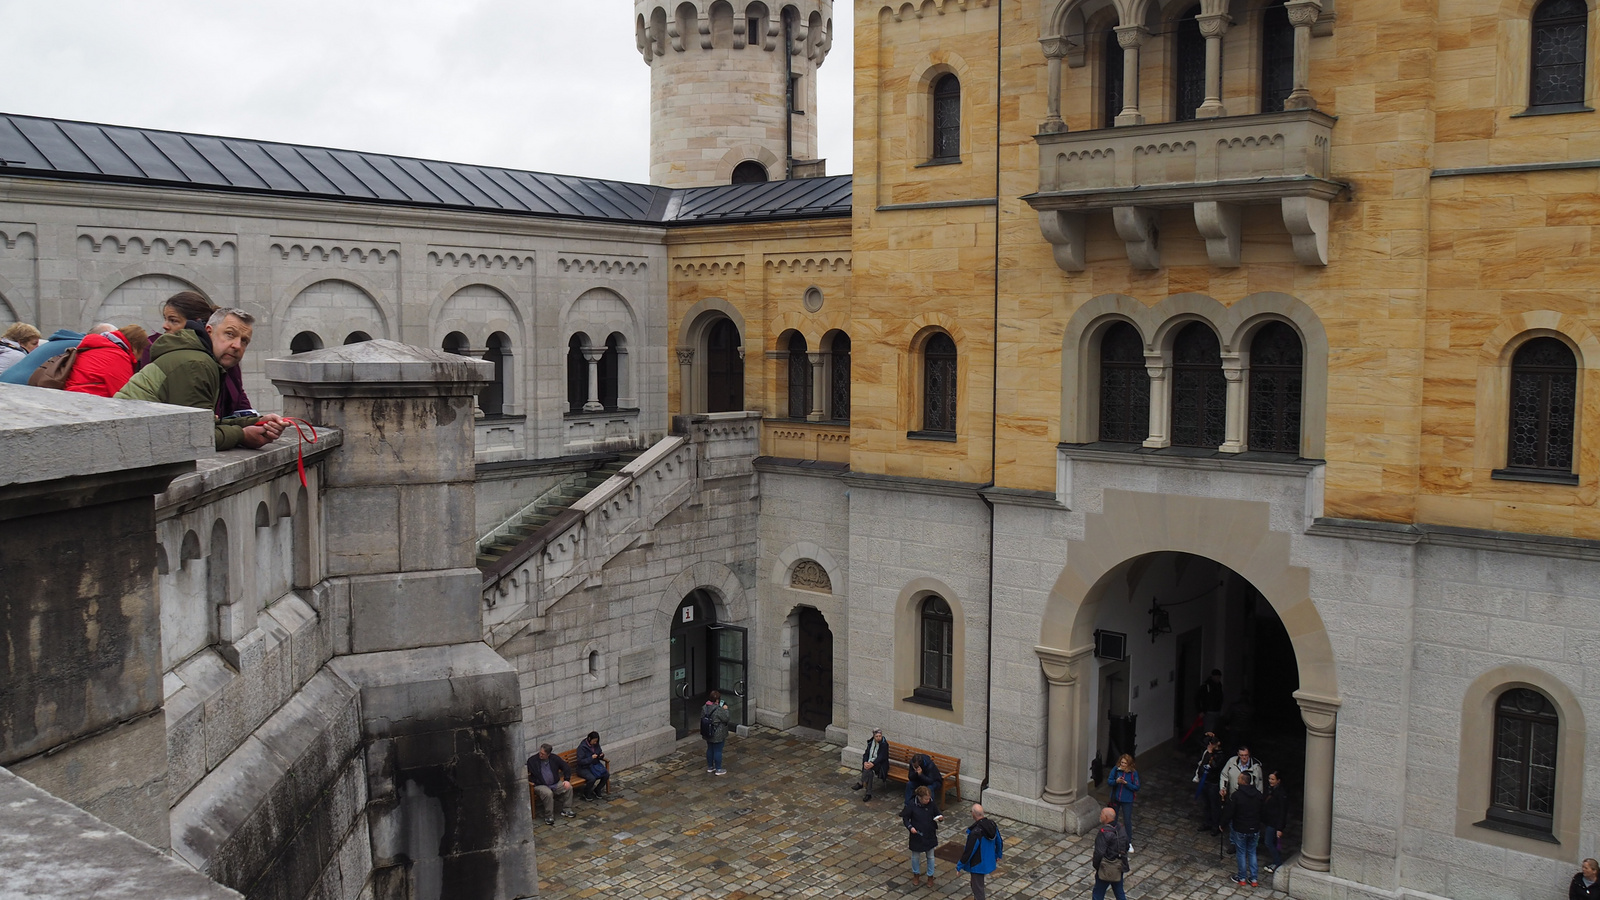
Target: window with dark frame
(839, 391)
(947, 118)
(1199, 390)
(1522, 797)
(1277, 57)
(936, 668)
(939, 384)
(749, 172)
(1124, 386)
(1544, 393)
(799, 377)
(724, 368)
(1277, 363)
(1559, 51)
(1111, 75)
(577, 375)
(1189, 88)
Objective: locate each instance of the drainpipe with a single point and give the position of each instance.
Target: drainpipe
(994, 402)
(788, 97)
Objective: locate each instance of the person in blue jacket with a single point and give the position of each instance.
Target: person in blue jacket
(983, 851)
(59, 343)
(1124, 788)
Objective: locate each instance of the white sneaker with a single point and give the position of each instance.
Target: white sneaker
(1130, 848)
(721, 771)
(711, 771)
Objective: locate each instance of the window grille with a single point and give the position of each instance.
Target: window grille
(839, 395)
(1111, 62)
(1199, 390)
(939, 384)
(799, 378)
(1276, 379)
(937, 627)
(1277, 57)
(1559, 51)
(1544, 391)
(1124, 386)
(1523, 792)
(1190, 71)
(947, 118)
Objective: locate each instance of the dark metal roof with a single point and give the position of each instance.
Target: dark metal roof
(83, 151)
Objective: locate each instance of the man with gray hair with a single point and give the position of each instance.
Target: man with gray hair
(186, 369)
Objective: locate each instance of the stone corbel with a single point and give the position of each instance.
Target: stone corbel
(705, 32)
(1219, 224)
(1306, 218)
(1065, 231)
(1136, 225)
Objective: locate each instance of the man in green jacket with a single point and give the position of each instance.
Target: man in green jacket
(186, 369)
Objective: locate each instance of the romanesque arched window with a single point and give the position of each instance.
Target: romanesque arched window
(1189, 69)
(1276, 376)
(724, 367)
(947, 118)
(1559, 51)
(1544, 392)
(749, 172)
(936, 664)
(939, 385)
(1111, 77)
(577, 374)
(1523, 791)
(799, 376)
(839, 378)
(1199, 390)
(1277, 57)
(1124, 386)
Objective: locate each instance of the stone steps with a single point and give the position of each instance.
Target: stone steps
(570, 491)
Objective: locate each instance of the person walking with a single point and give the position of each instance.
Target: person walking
(1109, 859)
(1124, 789)
(984, 848)
(1274, 819)
(714, 728)
(922, 818)
(874, 764)
(1586, 884)
(1242, 815)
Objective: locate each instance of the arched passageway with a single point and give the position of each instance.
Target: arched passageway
(704, 656)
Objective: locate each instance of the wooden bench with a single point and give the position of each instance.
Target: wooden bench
(900, 768)
(578, 781)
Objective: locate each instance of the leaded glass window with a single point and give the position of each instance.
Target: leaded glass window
(839, 394)
(1111, 60)
(1276, 373)
(1544, 391)
(1277, 57)
(799, 378)
(1559, 51)
(1124, 386)
(1190, 71)
(947, 118)
(1199, 390)
(939, 384)
(1523, 792)
(937, 669)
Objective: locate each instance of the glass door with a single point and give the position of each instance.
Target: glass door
(729, 644)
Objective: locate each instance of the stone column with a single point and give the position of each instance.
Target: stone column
(819, 387)
(1054, 49)
(1160, 403)
(625, 397)
(592, 356)
(1060, 723)
(686, 381)
(1235, 417)
(1213, 27)
(1302, 15)
(1321, 717)
(1130, 38)
(508, 386)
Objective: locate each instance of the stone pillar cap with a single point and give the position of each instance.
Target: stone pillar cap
(378, 364)
(47, 434)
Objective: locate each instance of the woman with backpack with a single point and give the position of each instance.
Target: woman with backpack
(714, 728)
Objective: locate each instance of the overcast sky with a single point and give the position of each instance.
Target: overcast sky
(548, 85)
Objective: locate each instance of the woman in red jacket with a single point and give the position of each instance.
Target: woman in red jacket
(106, 361)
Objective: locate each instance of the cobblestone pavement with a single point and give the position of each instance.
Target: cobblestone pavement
(784, 823)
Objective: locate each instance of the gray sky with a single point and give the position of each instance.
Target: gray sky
(549, 85)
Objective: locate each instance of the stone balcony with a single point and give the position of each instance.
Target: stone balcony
(1217, 166)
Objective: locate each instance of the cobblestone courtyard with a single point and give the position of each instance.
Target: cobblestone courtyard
(784, 823)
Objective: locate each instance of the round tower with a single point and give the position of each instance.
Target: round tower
(733, 87)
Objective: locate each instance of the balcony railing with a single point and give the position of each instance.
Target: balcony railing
(820, 441)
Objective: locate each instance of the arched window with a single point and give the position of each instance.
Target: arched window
(1277, 57)
(1544, 392)
(577, 374)
(1523, 792)
(611, 371)
(1199, 390)
(799, 377)
(1189, 71)
(357, 337)
(839, 376)
(1276, 360)
(936, 668)
(305, 342)
(749, 172)
(492, 399)
(939, 385)
(947, 118)
(724, 368)
(1111, 75)
(1124, 386)
(457, 343)
(1559, 50)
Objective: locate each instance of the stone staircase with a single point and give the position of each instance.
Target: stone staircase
(521, 527)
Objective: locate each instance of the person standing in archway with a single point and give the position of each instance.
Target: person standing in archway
(1208, 699)
(1242, 816)
(714, 719)
(1206, 773)
(1274, 819)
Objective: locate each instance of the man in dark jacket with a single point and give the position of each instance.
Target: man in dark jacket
(1109, 845)
(1586, 884)
(983, 851)
(1209, 701)
(1274, 819)
(717, 713)
(922, 771)
(1242, 816)
(874, 763)
(552, 783)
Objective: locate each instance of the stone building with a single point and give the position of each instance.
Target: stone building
(1147, 339)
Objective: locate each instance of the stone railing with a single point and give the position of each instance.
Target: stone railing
(1214, 165)
(599, 431)
(820, 441)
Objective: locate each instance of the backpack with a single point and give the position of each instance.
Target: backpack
(705, 721)
(55, 371)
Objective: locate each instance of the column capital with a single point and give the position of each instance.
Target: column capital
(1319, 713)
(1131, 37)
(1058, 665)
(1214, 25)
(1055, 47)
(817, 357)
(593, 354)
(1303, 13)
(685, 356)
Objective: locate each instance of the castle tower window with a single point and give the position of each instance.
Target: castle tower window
(749, 172)
(1277, 57)
(1199, 389)
(1559, 51)
(947, 118)
(939, 385)
(839, 379)
(936, 667)
(1276, 360)
(1189, 50)
(1524, 782)
(1124, 386)
(1111, 77)
(1544, 391)
(799, 377)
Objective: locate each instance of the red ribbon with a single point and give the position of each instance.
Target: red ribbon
(300, 444)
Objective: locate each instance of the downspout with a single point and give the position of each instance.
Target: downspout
(994, 400)
(788, 96)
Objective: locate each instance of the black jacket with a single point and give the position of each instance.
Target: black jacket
(1110, 843)
(1579, 892)
(920, 816)
(930, 775)
(1243, 811)
(1209, 697)
(1275, 809)
(880, 761)
(558, 768)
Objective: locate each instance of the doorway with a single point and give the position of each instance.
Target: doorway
(815, 685)
(705, 655)
(1188, 667)
(724, 368)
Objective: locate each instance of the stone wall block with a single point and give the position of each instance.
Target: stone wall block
(436, 529)
(360, 528)
(412, 609)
